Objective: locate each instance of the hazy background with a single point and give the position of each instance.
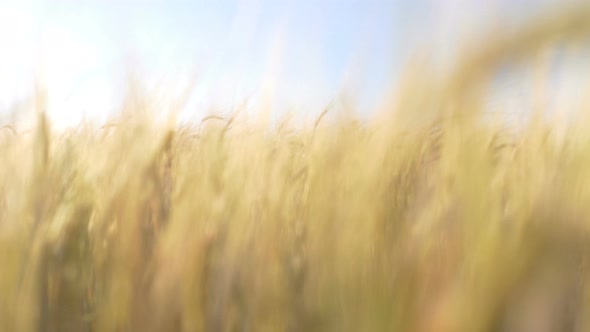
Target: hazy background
(301, 52)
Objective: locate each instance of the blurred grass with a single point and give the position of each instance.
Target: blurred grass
(424, 218)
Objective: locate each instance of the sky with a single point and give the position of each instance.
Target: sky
(300, 52)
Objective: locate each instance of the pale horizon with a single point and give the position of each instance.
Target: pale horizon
(302, 53)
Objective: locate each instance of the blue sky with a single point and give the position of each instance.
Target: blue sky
(302, 52)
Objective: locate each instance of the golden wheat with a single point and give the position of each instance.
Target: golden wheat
(340, 226)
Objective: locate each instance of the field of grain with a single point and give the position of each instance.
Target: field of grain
(429, 216)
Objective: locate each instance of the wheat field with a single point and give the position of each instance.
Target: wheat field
(426, 217)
